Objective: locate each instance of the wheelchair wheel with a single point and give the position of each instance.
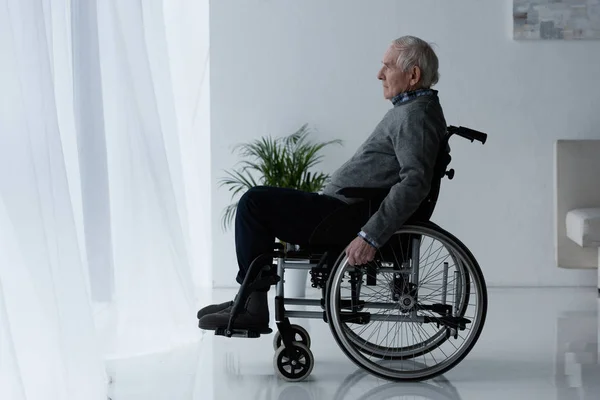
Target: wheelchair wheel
(300, 336)
(409, 351)
(389, 317)
(294, 364)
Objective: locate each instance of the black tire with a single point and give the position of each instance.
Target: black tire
(477, 279)
(294, 364)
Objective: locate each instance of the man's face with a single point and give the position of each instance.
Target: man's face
(394, 80)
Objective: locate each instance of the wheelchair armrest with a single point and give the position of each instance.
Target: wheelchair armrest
(364, 193)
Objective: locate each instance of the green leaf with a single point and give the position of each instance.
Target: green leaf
(280, 162)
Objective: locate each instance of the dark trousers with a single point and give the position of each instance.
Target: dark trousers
(265, 213)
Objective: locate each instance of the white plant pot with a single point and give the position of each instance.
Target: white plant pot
(295, 281)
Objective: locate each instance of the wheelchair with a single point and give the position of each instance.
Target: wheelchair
(412, 313)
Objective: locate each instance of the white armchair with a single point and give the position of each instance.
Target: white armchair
(577, 204)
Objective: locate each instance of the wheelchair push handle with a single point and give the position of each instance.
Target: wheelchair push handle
(468, 133)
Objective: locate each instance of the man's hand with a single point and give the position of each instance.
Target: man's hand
(360, 252)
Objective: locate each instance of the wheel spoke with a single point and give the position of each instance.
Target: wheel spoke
(398, 350)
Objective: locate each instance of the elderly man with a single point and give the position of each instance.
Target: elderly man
(400, 154)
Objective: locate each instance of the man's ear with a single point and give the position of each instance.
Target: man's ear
(415, 76)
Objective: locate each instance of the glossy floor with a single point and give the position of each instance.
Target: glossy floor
(537, 344)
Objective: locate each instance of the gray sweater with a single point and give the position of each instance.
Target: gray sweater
(400, 154)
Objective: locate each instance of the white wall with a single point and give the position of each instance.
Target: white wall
(278, 64)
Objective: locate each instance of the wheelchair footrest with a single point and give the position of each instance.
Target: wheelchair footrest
(242, 333)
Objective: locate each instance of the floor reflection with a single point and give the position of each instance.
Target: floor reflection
(359, 386)
(577, 374)
(363, 386)
(540, 344)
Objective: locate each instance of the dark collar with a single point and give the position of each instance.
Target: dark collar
(406, 96)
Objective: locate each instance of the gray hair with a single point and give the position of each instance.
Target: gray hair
(417, 52)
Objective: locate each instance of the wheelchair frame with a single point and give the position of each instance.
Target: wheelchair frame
(321, 266)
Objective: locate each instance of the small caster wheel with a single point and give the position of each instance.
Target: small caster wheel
(293, 364)
(300, 335)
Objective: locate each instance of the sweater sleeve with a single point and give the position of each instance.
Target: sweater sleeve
(416, 145)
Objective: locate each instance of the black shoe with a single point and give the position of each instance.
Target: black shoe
(254, 317)
(214, 308)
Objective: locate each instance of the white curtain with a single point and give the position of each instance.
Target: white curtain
(104, 187)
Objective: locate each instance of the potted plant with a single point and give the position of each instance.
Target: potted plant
(282, 162)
